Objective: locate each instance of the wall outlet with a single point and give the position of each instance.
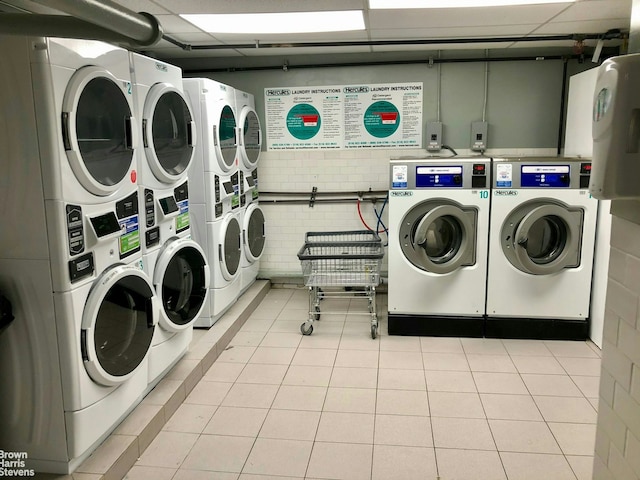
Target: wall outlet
(434, 136)
(479, 136)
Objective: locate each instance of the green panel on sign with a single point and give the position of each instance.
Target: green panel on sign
(182, 221)
(382, 119)
(303, 121)
(129, 242)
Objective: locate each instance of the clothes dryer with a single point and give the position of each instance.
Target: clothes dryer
(176, 263)
(74, 361)
(216, 192)
(438, 234)
(543, 224)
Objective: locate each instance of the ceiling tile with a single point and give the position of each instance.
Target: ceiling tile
(293, 38)
(595, 10)
(262, 6)
(173, 24)
(143, 6)
(585, 26)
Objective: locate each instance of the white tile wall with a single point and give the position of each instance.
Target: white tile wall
(617, 445)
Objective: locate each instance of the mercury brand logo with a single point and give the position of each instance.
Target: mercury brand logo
(505, 193)
(401, 193)
(161, 67)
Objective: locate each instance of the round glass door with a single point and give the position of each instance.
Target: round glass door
(251, 138)
(118, 324)
(254, 236)
(227, 138)
(440, 239)
(230, 249)
(97, 130)
(168, 133)
(546, 239)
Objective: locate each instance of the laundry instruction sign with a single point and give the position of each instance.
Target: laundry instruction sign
(344, 116)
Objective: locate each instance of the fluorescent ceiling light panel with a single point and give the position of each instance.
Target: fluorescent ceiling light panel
(291, 22)
(391, 4)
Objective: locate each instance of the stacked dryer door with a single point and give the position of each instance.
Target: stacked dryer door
(216, 192)
(252, 216)
(176, 263)
(75, 360)
(541, 249)
(439, 218)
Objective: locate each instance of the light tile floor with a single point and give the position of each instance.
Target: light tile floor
(340, 405)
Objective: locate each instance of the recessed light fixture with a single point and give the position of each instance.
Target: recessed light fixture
(392, 4)
(290, 22)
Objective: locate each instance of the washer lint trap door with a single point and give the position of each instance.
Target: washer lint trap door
(225, 138)
(229, 250)
(118, 324)
(250, 137)
(253, 233)
(98, 130)
(181, 278)
(168, 132)
(439, 238)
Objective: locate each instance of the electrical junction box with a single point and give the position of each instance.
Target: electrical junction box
(479, 136)
(434, 136)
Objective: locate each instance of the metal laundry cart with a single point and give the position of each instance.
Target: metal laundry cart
(341, 265)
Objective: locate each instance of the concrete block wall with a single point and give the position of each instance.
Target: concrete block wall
(617, 453)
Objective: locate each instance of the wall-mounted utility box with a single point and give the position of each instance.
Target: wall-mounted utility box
(434, 136)
(479, 136)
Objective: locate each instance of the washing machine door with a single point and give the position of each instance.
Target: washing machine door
(543, 237)
(181, 280)
(168, 132)
(439, 236)
(229, 247)
(250, 137)
(253, 233)
(97, 130)
(225, 138)
(118, 322)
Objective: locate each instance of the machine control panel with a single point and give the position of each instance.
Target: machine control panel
(548, 176)
(438, 176)
(149, 208)
(128, 223)
(75, 230)
(181, 193)
(585, 174)
(409, 173)
(81, 267)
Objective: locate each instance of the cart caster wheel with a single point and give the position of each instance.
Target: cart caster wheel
(316, 316)
(374, 331)
(306, 330)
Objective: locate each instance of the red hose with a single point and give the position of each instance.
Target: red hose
(362, 219)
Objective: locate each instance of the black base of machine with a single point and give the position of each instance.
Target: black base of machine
(435, 326)
(537, 328)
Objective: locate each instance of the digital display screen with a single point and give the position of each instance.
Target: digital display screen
(228, 187)
(168, 205)
(250, 181)
(105, 224)
(439, 177)
(549, 176)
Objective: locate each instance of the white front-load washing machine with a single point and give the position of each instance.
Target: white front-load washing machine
(543, 224)
(176, 263)
(252, 216)
(215, 192)
(438, 235)
(74, 361)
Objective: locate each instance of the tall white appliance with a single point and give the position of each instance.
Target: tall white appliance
(176, 263)
(215, 192)
(74, 361)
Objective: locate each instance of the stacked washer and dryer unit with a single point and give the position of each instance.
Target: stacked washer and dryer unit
(75, 360)
(177, 264)
(507, 254)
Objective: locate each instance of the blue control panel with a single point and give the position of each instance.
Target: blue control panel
(439, 177)
(545, 176)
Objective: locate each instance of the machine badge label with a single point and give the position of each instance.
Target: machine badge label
(399, 176)
(505, 193)
(404, 193)
(182, 220)
(129, 236)
(504, 175)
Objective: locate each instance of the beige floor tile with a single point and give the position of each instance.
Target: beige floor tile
(190, 418)
(290, 425)
(209, 393)
(534, 466)
(346, 427)
(552, 385)
(358, 341)
(410, 431)
(402, 402)
(357, 358)
(403, 462)
(287, 326)
(395, 379)
(523, 436)
(491, 363)
(266, 374)
(273, 355)
(484, 346)
(247, 339)
(537, 364)
(150, 473)
(354, 377)
(223, 372)
(293, 397)
(250, 476)
(168, 449)
(236, 354)
(257, 325)
(455, 405)
(279, 457)
(350, 400)
(360, 327)
(307, 375)
(400, 360)
(456, 362)
(326, 327)
(566, 409)
(510, 407)
(517, 347)
(236, 421)
(250, 395)
(575, 438)
(581, 366)
(462, 433)
(340, 461)
(184, 474)
(441, 345)
(582, 466)
(488, 382)
(397, 343)
(321, 339)
(561, 348)
(319, 357)
(281, 339)
(220, 453)
(440, 381)
(589, 386)
(469, 465)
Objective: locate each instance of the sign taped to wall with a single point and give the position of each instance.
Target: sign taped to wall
(387, 115)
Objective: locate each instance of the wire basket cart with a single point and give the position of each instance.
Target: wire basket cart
(341, 265)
